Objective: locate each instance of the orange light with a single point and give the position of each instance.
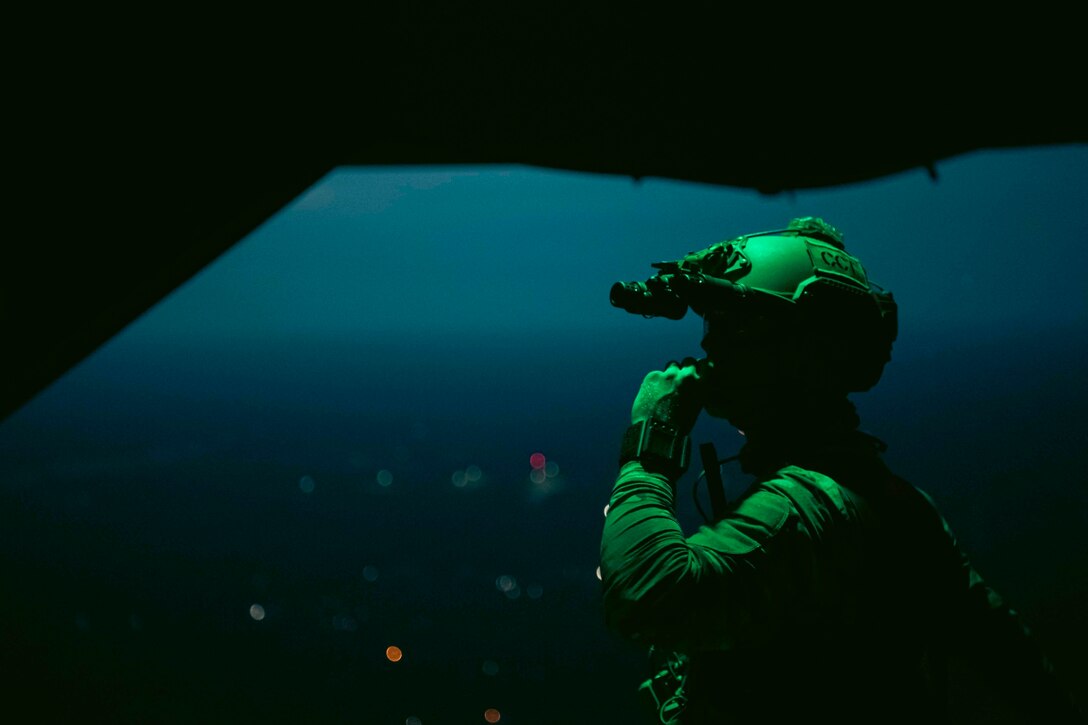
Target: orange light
(492, 715)
(393, 653)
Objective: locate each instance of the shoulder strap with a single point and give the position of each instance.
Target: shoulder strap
(715, 486)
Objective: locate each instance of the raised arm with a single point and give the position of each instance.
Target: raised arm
(687, 593)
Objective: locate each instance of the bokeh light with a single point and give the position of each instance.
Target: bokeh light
(459, 479)
(301, 555)
(413, 720)
(393, 654)
(537, 475)
(344, 623)
(551, 469)
(537, 460)
(506, 583)
(492, 715)
(490, 668)
(385, 478)
(473, 473)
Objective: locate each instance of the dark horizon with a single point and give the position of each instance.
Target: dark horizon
(138, 560)
(268, 437)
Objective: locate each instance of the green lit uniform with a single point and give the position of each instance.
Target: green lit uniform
(833, 591)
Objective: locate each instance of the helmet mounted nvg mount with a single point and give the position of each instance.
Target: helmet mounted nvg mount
(797, 283)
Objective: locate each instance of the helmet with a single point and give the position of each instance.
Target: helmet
(797, 284)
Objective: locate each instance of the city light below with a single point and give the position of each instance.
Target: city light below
(344, 623)
(257, 612)
(543, 470)
(492, 715)
(471, 474)
(393, 654)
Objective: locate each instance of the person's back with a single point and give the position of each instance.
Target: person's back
(855, 631)
(832, 589)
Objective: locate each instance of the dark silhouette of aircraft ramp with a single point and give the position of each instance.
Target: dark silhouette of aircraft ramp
(138, 160)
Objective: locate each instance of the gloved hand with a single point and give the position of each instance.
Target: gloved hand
(673, 395)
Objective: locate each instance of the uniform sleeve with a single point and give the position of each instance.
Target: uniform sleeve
(687, 593)
(996, 640)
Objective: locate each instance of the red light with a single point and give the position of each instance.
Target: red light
(537, 460)
(492, 715)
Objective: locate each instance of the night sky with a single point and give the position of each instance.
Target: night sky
(319, 447)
